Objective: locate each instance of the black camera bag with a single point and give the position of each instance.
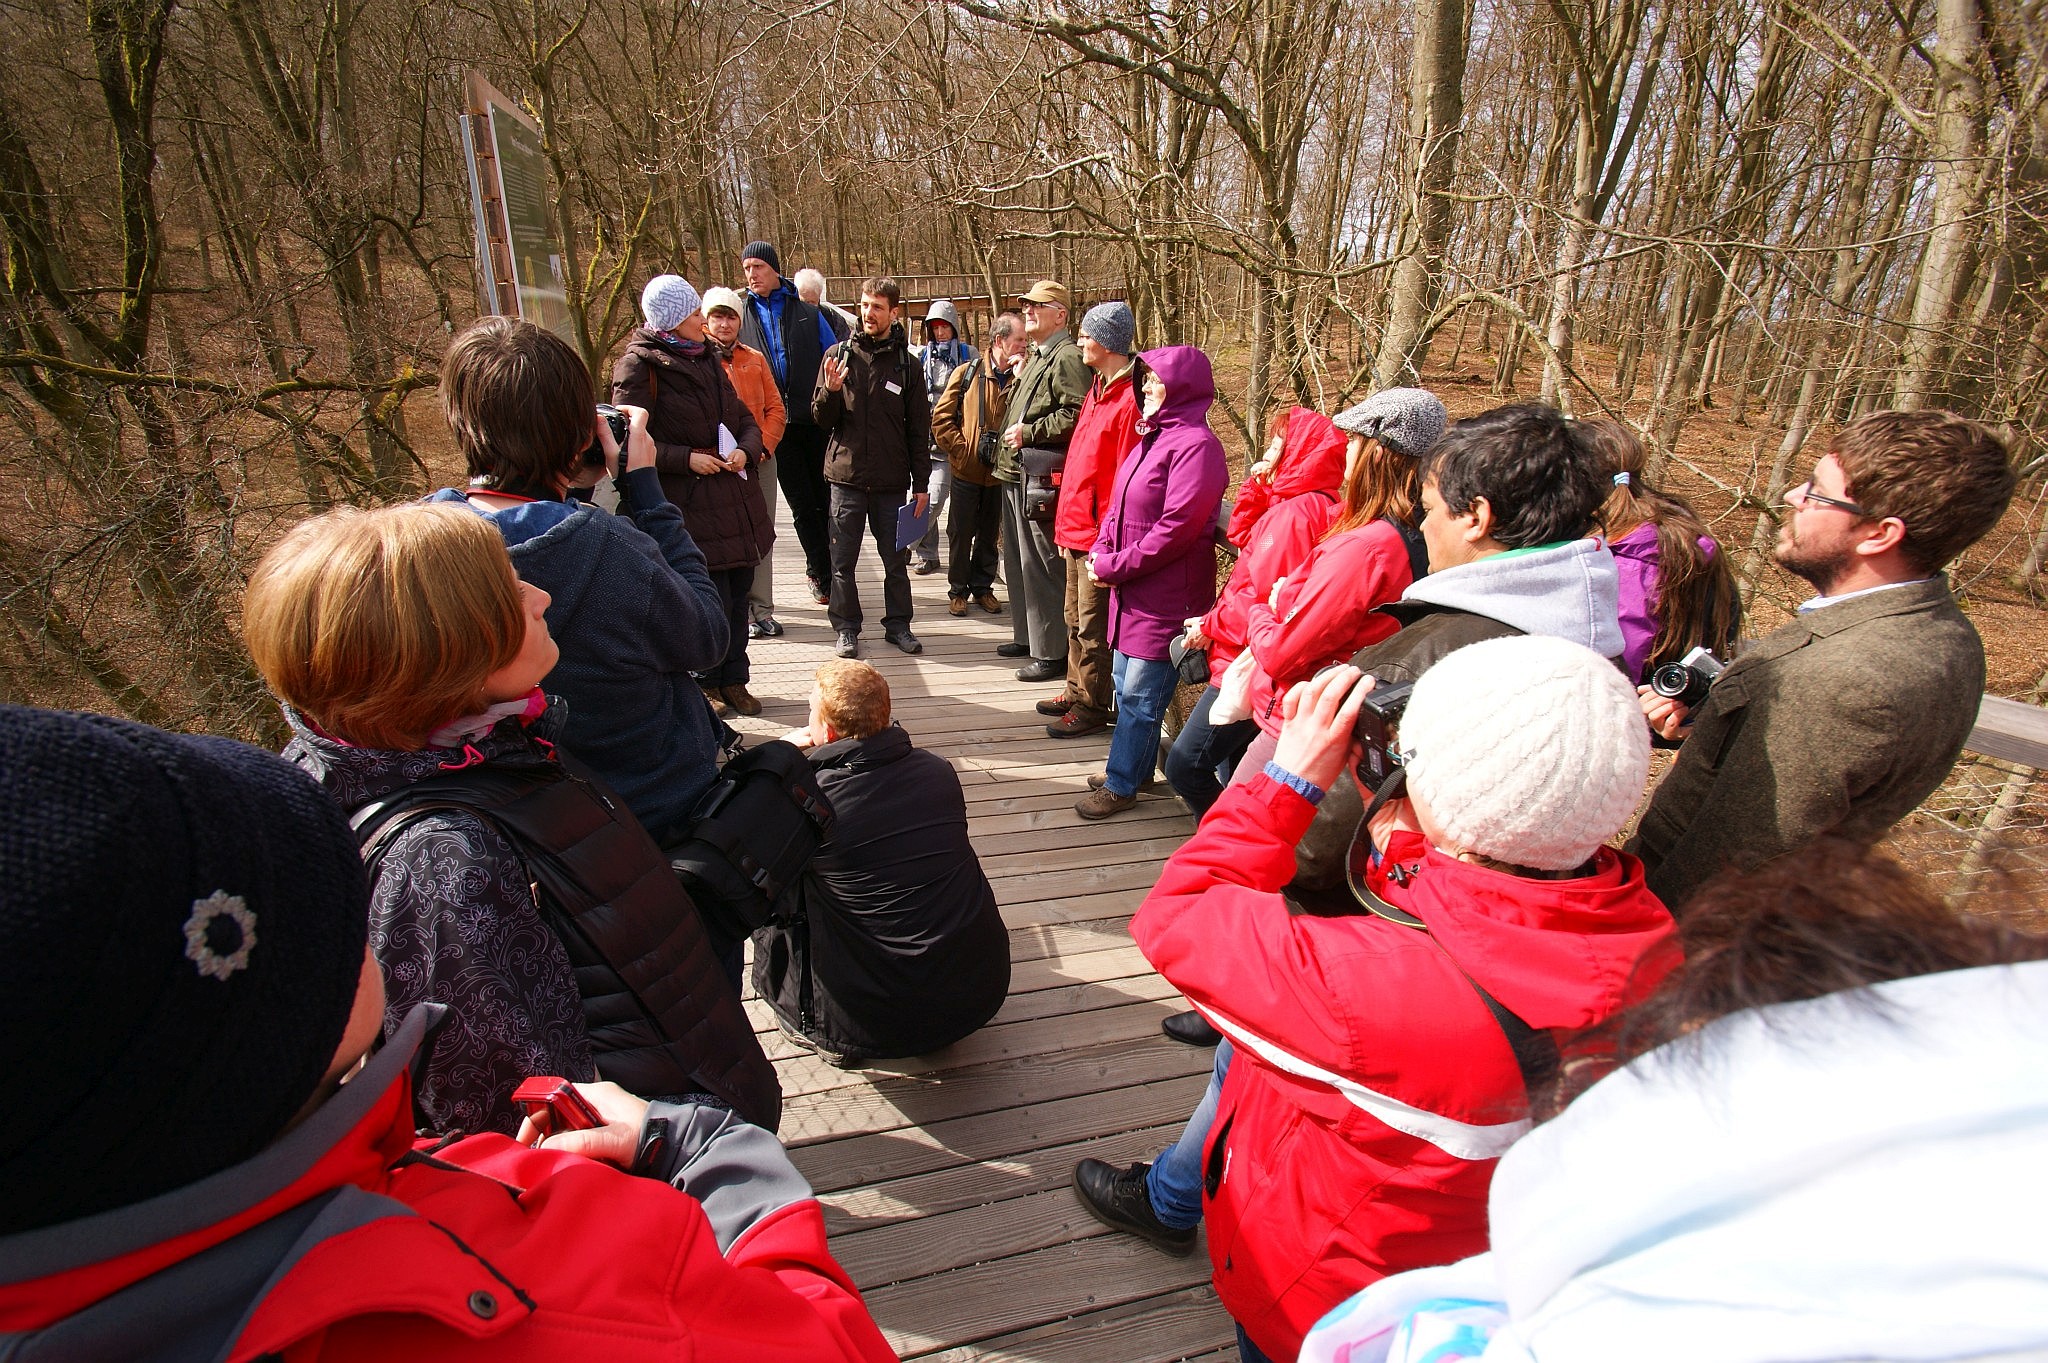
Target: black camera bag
(751, 836)
(1042, 471)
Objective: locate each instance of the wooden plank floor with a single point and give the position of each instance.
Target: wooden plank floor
(945, 1177)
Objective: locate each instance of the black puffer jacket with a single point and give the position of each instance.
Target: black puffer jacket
(687, 398)
(906, 949)
(880, 419)
(455, 920)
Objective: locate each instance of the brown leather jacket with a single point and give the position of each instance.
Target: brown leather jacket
(973, 401)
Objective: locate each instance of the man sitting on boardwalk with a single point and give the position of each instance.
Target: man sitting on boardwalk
(899, 948)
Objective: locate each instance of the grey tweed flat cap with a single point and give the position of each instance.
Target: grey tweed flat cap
(1405, 420)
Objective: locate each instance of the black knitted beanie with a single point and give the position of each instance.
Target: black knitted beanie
(761, 250)
(182, 923)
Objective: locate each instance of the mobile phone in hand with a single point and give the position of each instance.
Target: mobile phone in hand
(565, 1108)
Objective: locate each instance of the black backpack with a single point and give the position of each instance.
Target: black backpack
(661, 1017)
(750, 838)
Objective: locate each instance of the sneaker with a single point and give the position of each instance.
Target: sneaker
(904, 640)
(1057, 706)
(820, 591)
(956, 605)
(1042, 669)
(1076, 724)
(767, 627)
(1013, 651)
(987, 601)
(848, 645)
(1103, 803)
(742, 700)
(1117, 1198)
(925, 567)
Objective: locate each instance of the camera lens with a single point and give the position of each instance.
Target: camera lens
(1686, 685)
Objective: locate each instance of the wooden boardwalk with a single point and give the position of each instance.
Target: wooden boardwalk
(945, 1177)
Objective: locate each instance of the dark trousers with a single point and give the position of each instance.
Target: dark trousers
(733, 584)
(855, 514)
(974, 522)
(800, 471)
(1201, 749)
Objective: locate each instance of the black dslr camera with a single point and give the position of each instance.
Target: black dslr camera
(1379, 725)
(620, 424)
(1688, 680)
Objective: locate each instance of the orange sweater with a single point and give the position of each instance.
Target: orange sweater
(754, 381)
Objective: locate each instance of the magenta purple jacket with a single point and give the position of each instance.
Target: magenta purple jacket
(1157, 545)
(1635, 563)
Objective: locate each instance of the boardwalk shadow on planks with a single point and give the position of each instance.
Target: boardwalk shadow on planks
(945, 1178)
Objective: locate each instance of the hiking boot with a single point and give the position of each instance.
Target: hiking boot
(1098, 781)
(1013, 651)
(1117, 1198)
(838, 1060)
(956, 605)
(848, 644)
(1057, 706)
(1103, 803)
(904, 640)
(742, 700)
(987, 601)
(1077, 723)
(1190, 1029)
(1042, 669)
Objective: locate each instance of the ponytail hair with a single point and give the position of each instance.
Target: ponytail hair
(1383, 483)
(1698, 603)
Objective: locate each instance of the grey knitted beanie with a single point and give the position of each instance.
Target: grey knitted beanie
(667, 300)
(1111, 326)
(1405, 420)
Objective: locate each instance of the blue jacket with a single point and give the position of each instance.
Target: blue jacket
(634, 613)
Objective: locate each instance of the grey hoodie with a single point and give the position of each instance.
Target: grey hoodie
(1568, 590)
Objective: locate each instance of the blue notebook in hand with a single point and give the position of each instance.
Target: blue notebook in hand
(911, 527)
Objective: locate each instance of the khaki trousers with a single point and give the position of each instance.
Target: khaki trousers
(1090, 681)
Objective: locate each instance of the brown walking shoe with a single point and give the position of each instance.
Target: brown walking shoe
(1077, 723)
(1103, 803)
(742, 700)
(1057, 706)
(956, 605)
(987, 601)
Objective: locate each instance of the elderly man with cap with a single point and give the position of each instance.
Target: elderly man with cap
(794, 336)
(943, 352)
(1044, 404)
(205, 1159)
(705, 443)
(1104, 433)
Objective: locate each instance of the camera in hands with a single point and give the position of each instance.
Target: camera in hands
(1379, 725)
(1688, 680)
(620, 424)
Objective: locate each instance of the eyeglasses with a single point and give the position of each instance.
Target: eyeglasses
(1799, 496)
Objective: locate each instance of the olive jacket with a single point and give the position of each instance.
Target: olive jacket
(1838, 723)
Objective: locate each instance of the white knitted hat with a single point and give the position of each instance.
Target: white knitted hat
(1531, 750)
(667, 300)
(718, 296)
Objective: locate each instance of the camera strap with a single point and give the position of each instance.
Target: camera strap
(1535, 1050)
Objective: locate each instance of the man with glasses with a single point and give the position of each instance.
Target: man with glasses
(1043, 406)
(1845, 719)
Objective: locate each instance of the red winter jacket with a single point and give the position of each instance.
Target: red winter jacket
(1326, 612)
(1311, 460)
(340, 1242)
(1281, 541)
(1372, 1090)
(1104, 433)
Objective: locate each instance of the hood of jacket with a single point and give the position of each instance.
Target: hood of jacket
(944, 311)
(1567, 590)
(1312, 456)
(1744, 1190)
(1190, 386)
(895, 337)
(1558, 953)
(355, 776)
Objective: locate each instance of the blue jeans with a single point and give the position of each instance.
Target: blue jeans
(1143, 688)
(1174, 1183)
(1204, 755)
(1248, 1352)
